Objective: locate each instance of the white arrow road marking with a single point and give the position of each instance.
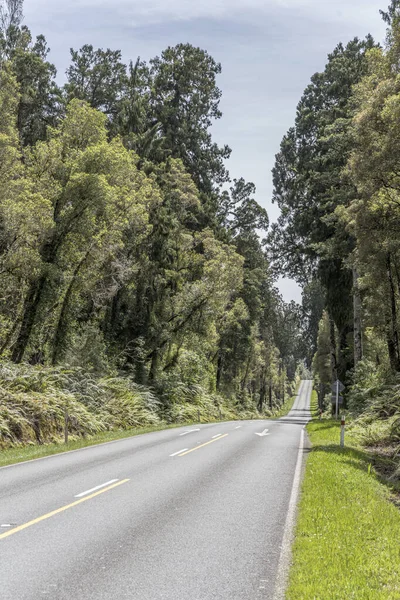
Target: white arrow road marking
(98, 487)
(186, 432)
(264, 433)
(179, 451)
(238, 427)
(215, 436)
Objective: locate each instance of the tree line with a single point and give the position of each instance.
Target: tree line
(336, 180)
(125, 247)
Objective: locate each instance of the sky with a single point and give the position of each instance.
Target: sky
(268, 49)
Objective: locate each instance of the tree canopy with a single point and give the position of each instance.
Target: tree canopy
(125, 247)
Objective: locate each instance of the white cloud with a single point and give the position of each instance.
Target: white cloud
(142, 12)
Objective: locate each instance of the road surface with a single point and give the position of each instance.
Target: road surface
(196, 513)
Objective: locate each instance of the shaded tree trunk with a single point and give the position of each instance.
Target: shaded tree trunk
(110, 323)
(246, 375)
(155, 359)
(358, 346)
(263, 392)
(332, 340)
(28, 319)
(392, 333)
(270, 395)
(48, 254)
(61, 327)
(9, 336)
(321, 396)
(219, 371)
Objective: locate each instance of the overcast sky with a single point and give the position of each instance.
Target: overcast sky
(268, 49)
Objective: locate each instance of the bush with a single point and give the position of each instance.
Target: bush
(33, 401)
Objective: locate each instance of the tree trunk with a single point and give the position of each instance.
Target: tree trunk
(9, 336)
(358, 346)
(263, 392)
(155, 356)
(332, 339)
(48, 253)
(28, 319)
(393, 335)
(110, 322)
(219, 371)
(270, 394)
(391, 347)
(61, 328)
(279, 392)
(396, 269)
(345, 356)
(321, 396)
(246, 375)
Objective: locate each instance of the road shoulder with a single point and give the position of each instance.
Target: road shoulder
(346, 540)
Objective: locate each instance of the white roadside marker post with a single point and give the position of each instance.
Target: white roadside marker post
(342, 430)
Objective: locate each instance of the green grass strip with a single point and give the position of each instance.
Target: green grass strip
(347, 544)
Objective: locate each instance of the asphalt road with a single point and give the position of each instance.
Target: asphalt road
(195, 513)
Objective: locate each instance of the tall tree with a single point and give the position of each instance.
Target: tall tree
(11, 16)
(23, 212)
(98, 77)
(308, 186)
(40, 103)
(185, 101)
(95, 191)
(134, 123)
(374, 169)
(120, 247)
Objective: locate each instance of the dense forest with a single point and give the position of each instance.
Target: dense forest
(337, 183)
(135, 282)
(139, 280)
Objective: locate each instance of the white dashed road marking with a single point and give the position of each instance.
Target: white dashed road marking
(179, 451)
(98, 487)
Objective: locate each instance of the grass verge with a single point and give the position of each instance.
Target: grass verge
(347, 536)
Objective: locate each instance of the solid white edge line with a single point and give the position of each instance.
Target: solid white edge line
(288, 533)
(179, 451)
(94, 489)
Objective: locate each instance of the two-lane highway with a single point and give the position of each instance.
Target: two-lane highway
(195, 513)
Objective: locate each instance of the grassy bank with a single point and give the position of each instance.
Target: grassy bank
(18, 454)
(286, 407)
(348, 532)
(31, 451)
